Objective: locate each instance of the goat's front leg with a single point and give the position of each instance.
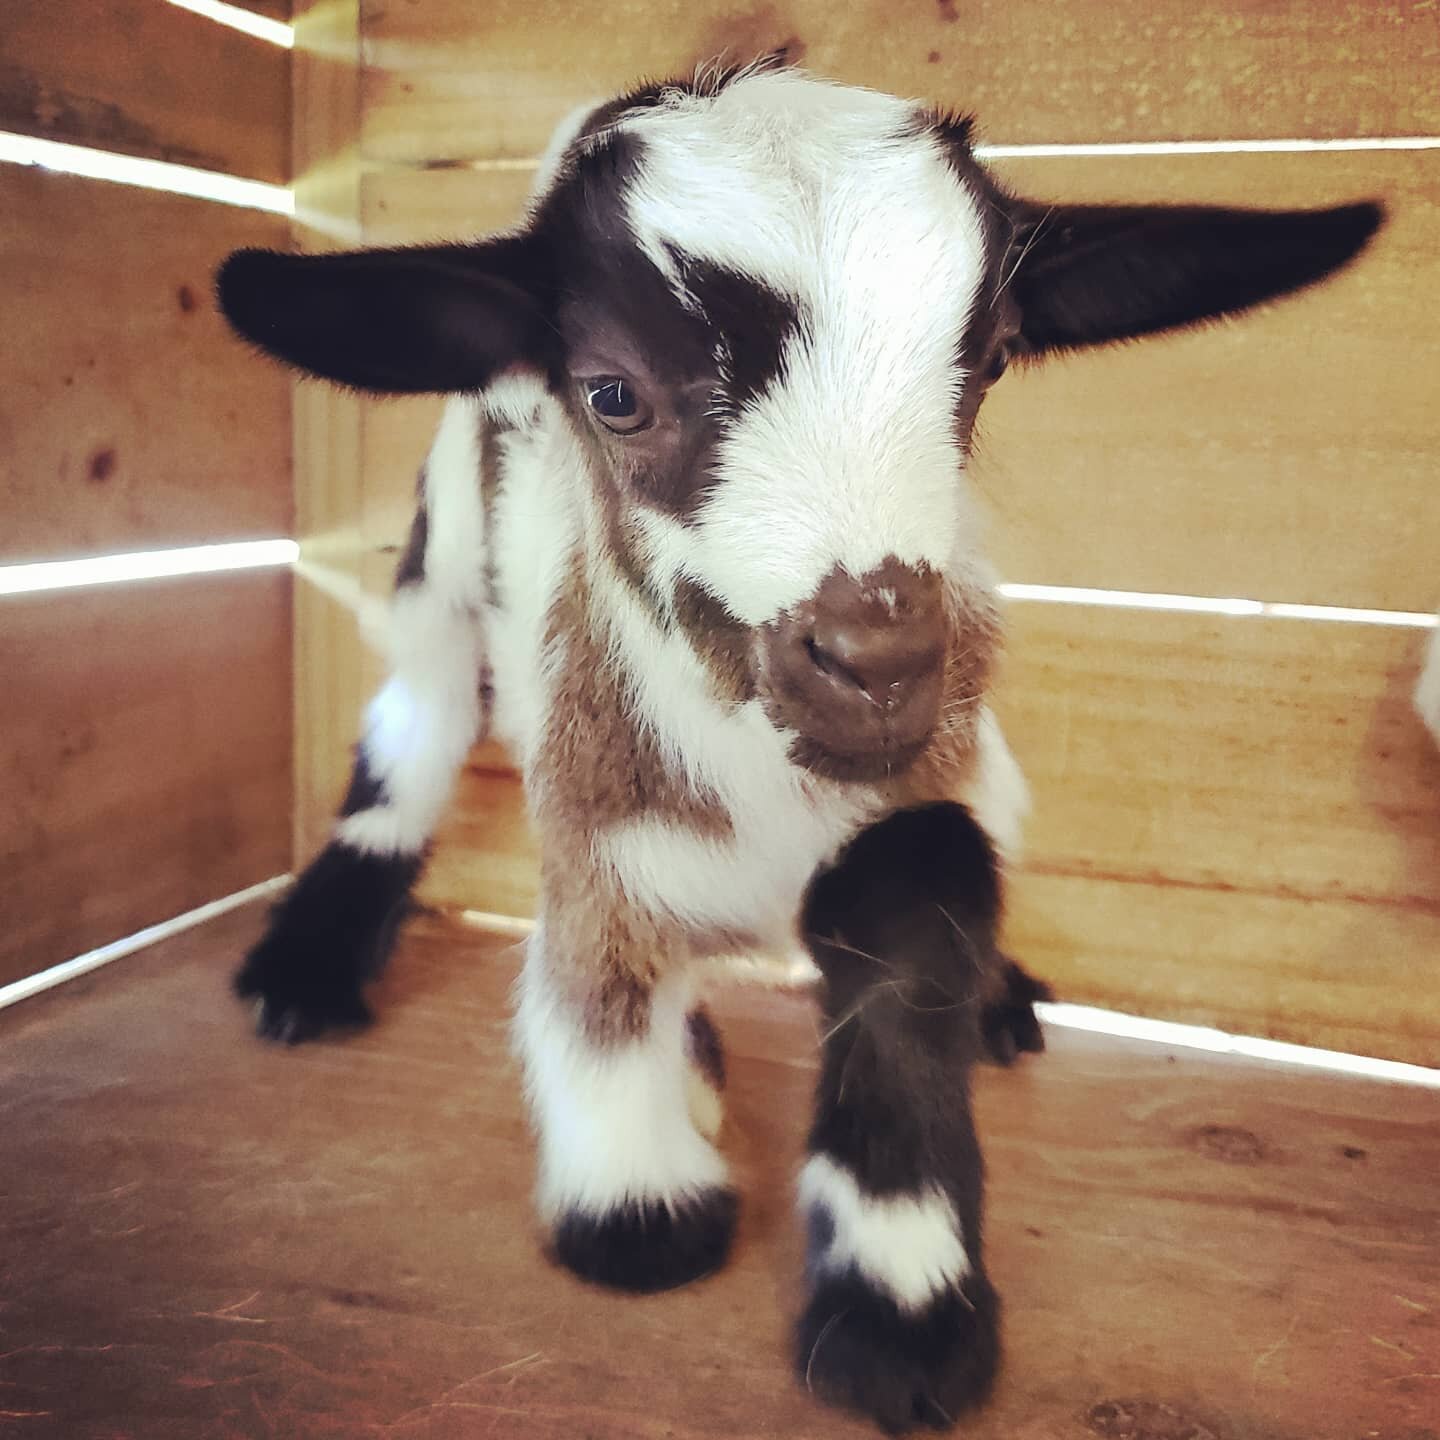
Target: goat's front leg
(901, 1323)
(633, 1195)
(332, 931)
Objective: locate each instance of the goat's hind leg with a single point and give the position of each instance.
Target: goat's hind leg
(901, 1321)
(332, 932)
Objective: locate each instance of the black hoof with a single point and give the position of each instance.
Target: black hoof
(327, 939)
(1009, 1026)
(294, 1002)
(857, 1350)
(645, 1247)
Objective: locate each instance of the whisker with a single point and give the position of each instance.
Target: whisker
(825, 1330)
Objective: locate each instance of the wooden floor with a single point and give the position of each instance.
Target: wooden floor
(203, 1237)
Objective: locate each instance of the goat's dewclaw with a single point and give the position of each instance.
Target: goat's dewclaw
(695, 538)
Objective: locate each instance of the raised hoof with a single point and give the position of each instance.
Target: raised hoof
(650, 1246)
(1009, 1026)
(856, 1349)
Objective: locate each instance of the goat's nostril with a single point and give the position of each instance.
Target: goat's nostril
(882, 662)
(831, 665)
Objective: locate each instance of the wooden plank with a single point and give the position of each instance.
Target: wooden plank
(151, 80)
(329, 663)
(449, 81)
(1249, 459)
(1187, 1245)
(1275, 757)
(275, 9)
(1288, 455)
(129, 417)
(145, 757)
(1341, 974)
(1237, 822)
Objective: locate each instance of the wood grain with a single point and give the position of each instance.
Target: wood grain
(329, 661)
(447, 81)
(145, 757)
(129, 417)
(1236, 822)
(1268, 756)
(150, 80)
(1186, 1245)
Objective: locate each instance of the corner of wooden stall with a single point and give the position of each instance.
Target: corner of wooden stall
(146, 755)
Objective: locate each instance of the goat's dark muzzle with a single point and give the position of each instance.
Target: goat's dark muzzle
(857, 671)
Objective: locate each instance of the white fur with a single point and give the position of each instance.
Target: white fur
(538, 525)
(909, 1246)
(814, 190)
(1427, 692)
(997, 795)
(613, 1122)
(421, 724)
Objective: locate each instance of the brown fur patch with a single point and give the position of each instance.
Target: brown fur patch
(721, 642)
(973, 636)
(598, 765)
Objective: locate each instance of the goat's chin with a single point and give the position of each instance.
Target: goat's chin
(886, 762)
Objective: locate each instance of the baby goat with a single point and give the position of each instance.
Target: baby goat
(695, 539)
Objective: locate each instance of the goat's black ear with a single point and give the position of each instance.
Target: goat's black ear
(1087, 274)
(435, 319)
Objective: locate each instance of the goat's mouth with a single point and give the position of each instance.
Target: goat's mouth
(856, 672)
(885, 762)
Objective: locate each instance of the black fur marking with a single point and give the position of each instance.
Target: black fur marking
(417, 320)
(411, 570)
(903, 930)
(366, 790)
(1087, 274)
(753, 323)
(1009, 1026)
(704, 1046)
(855, 1348)
(649, 1247)
(327, 938)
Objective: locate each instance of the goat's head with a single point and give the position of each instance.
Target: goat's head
(767, 309)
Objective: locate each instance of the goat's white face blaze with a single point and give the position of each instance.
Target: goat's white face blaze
(839, 202)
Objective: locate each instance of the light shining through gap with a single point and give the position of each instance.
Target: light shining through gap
(1214, 605)
(148, 174)
(146, 565)
(262, 27)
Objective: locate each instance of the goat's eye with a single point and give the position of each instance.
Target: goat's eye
(617, 404)
(999, 363)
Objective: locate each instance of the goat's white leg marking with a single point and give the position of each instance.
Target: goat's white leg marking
(907, 1245)
(428, 714)
(614, 1128)
(998, 796)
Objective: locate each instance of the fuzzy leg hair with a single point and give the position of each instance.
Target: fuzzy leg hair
(901, 1323)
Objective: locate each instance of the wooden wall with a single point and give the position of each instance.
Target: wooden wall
(145, 754)
(1237, 819)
